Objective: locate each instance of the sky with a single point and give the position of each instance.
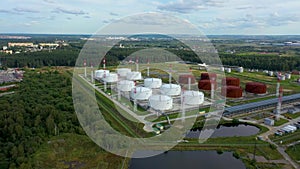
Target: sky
(212, 17)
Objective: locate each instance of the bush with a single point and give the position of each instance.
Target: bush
(235, 121)
(236, 155)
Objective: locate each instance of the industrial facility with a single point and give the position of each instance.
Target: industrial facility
(256, 88)
(151, 93)
(245, 108)
(232, 91)
(162, 95)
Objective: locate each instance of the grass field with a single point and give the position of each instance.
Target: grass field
(292, 116)
(286, 138)
(77, 151)
(294, 152)
(280, 122)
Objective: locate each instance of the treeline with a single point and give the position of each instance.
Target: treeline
(40, 108)
(269, 62)
(68, 57)
(60, 57)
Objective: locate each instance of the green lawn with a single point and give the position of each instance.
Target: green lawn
(294, 152)
(280, 122)
(65, 148)
(286, 138)
(292, 116)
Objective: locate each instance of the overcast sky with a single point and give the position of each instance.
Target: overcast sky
(210, 16)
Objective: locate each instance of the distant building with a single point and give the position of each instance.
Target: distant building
(240, 69)
(292, 111)
(295, 72)
(49, 44)
(20, 44)
(271, 73)
(269, 122)
(7, 51)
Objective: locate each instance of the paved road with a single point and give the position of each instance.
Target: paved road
(6, 93)
(272, 130)
(280, 149)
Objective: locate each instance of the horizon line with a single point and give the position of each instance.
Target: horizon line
(91, 34)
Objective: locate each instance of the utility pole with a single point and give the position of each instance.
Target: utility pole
(254, 153)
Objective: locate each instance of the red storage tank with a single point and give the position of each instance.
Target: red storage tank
(232, 91)
(256, 88)
(207, 76)
(231, 81)
(206, 84)
(184, 79)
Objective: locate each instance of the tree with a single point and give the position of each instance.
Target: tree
(50, 124)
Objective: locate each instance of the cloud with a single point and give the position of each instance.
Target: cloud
(5, 11)
(31, 23)
(18, 11)
(187, 6)
(109, 21)
(244, 7)
(49, 1)
(113, 14)
(152, 19)
(249, 7)
(249, 21)
(69, 11)
(25, 10)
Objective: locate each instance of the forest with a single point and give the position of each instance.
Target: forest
(67, 57)
(41, 107)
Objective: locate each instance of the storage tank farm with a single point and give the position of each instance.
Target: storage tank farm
(110, 78)
(153, 83)
(99, 74)
(170, 89)
(208, 81)
(161, 102)
(193, 97)
(125, 85)
(231, 81)
(122, 72)
(134, 76)
(184, 79)
(256, 88)
(140, 93)
(232, 91)
(231, 87)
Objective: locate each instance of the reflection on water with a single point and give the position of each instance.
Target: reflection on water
(228, 131)
(189, 160)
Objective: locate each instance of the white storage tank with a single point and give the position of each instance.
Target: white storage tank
(240, 69)
(140, 93)
(123, 71)
(193, 97)
(271, 73)
(100, 73)
(111, 78)
(288, 76)
(161, 102)
(134, 76)
(152, 83)
(170, 89)
(281, 77)
(228, 70)
(125, 85)
(222, 69)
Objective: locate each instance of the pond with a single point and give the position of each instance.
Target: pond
(228, 130)
(188, 160)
